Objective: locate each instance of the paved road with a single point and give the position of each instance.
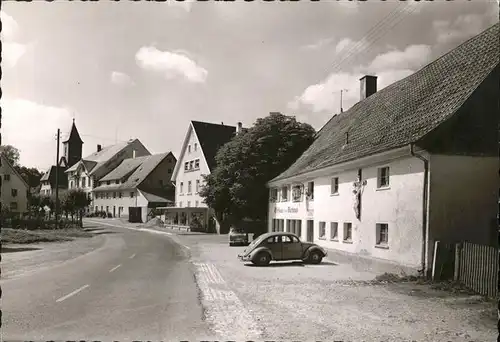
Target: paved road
(138, 286)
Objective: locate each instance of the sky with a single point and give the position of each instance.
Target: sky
(143, 70)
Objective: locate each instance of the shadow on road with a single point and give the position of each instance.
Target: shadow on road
(294, 264)
(18, 249)
(93, 228)
(104, 232)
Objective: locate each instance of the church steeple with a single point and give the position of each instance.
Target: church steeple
(73, 147)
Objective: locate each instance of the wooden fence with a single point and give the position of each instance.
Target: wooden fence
(476, 266)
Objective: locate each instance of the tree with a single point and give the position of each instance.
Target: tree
(76, 200)
(11, 153)
(236, 188)
(30, 175)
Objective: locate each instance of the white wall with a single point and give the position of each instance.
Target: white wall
(16, 183)
(126, 201)
(182, 198)
(464, 199)
(400, 206)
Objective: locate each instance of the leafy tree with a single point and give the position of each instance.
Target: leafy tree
(11, 153)
(30, 175)
(75, 201)
(237, 186)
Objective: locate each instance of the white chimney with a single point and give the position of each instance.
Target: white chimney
(239, 128)
(368, 86)
(133, 154)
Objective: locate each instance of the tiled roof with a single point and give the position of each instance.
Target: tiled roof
(50, 176)
(405, 111)
(5, 161)
(126, 167)
(155, 198)
(212, 137)
(96, 159)
(140, 173)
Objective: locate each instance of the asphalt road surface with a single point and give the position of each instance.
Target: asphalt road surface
(138, 286)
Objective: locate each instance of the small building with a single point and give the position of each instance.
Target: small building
(14, 191)
(411, 164)
(136, 187)
(197, 158)
(48, 180)
(87, 171)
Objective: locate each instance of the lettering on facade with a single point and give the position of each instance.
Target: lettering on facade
(288, 210)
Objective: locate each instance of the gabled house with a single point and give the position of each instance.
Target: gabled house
(48, 180)
(87, 171)
(136, 186)
(406, 166)
(14, 191)
(197, 158)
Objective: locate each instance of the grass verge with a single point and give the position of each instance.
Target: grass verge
(17, 236)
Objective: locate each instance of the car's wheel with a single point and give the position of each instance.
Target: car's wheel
(262, 259)
(315, 257)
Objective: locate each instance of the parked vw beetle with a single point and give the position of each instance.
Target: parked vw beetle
(281, 246)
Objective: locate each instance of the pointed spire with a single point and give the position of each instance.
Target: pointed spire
(74, 136)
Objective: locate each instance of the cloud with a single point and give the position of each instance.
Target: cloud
(344, 44)
(462, 28)
(389, 67)
(9, 26)
(37, 140)
(319, 44)
(12, 52)
(185, 5)
(171, 64)
(121, 79)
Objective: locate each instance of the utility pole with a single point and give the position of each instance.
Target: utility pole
(57, 179)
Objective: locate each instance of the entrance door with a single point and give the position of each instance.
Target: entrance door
(310, 231)
(114, 211)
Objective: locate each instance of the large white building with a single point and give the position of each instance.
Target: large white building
(411, 164)
(197, 158)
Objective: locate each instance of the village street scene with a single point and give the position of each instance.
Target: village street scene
(250, 171)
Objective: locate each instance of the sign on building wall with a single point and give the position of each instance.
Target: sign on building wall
(288, 210)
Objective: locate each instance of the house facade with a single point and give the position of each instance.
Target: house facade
(14, 192)
(88, 171)
(412, 164)
(48, 180)
(136, 187)
(197, 158)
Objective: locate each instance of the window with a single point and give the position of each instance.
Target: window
(119, 195)
(90, 182)
(191, 164)
(131, 195)
(196, 204)
(6, 178)
(310, 191)
(322, 230)
(197, 185)
(107, 209)
(189, 204)
(382, 234)
(181, 188)
(383, 177)
(347, 231)
(334, 231)
(195, 146)
(117, 181)
(14, 192)
(108, 182)
(189, 187)
(180, 204)
(197, 164)
(114, 194)
(273, 239)
(189, 148)
(274, 195)
(83, 182)
(71, 184)
(13, 205)
(186, 166)
(297, 193)
(107, 194)
(96, 209)
(169, 171)
(284, 193)
(335, 186)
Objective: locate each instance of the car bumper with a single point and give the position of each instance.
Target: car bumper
(243, 257)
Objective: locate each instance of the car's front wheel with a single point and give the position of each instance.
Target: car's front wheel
(262, 259)
(315, 257)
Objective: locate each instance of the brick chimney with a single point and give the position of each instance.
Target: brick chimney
(239, 127)
(368, 86)
(99, 148)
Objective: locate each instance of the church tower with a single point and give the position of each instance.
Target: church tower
(72, 148)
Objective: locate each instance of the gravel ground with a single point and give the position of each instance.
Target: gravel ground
(18, 260)
(334, 301)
